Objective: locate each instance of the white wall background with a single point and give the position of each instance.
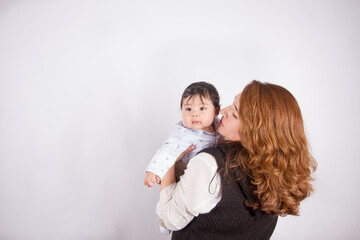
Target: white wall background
(90, 89)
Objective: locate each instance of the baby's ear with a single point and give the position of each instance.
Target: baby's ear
(217, 111)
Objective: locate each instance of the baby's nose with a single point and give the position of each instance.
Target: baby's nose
(195, 114)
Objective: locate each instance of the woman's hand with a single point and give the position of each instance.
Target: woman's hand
(169, 177)
(151, 178)
(189, 149)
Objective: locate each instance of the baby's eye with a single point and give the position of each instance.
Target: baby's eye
(187, 109)
(235, 116)
(203, 108)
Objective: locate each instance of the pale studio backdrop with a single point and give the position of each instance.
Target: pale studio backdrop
(90, 89)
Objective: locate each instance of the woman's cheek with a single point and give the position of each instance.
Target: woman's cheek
(220, 130)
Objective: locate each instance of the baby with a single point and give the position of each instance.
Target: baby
(199, 108)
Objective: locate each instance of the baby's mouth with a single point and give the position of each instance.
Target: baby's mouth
(196, 122)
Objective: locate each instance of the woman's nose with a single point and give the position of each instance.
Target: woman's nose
(224, 111)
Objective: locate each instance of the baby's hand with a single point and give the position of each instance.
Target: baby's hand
(151, 178)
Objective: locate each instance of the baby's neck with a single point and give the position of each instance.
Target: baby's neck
(209, 129)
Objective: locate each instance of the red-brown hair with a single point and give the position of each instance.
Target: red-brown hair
(274, 152)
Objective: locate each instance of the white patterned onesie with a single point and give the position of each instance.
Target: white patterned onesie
(179, 140)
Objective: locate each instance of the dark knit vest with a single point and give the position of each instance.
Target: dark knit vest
(230, 218)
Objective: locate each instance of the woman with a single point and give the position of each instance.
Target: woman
(262, 170)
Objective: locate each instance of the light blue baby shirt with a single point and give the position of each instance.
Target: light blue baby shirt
(179, 140)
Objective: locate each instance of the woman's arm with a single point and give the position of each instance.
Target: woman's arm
(169, 178)
(198, 191)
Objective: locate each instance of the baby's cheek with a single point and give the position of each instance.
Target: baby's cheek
(187, 123)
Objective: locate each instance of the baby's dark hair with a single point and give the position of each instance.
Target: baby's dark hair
(204, 90)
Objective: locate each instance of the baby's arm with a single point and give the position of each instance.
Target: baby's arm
(151, 178)
(177, 142)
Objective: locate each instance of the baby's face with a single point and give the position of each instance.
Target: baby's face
(198, 113)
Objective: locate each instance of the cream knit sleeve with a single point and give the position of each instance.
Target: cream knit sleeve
(198, 191)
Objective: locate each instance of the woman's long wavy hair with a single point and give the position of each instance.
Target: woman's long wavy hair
(274, 152)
